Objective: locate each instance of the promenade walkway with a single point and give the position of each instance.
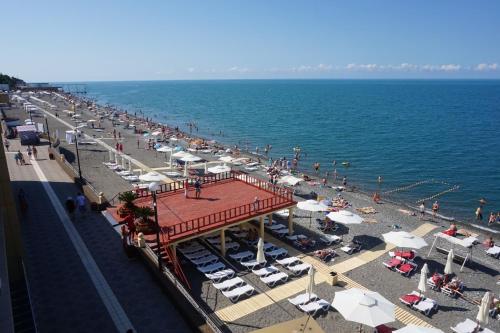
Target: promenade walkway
(80, 280)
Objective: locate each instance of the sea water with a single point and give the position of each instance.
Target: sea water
(405, 131)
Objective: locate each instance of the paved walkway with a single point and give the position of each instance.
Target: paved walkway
(80, 279)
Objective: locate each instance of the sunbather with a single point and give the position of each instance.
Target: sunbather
(451, 231)
(324, 254)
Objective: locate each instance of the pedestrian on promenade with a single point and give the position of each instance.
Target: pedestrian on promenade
(114, 133)
(197, 188)
(35, 153)
(422, 210)
(121, 147)
(20, 156)
(117, 147)
(80, 201)
(7, 144)
(435, 208)
(18, 160)
(479, 213)
(119, 135)
(29, 151)
(70, 208)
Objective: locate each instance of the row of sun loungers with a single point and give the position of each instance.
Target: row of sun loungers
(451, 288)
(418, 302)
(127, 175)
(309, 303)
(400, 265)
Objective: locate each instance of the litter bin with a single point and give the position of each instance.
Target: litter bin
(334, 278)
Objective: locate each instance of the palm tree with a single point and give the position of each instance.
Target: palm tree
(128, 206)
(144, 223)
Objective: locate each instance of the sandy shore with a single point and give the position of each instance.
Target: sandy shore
(478, 277)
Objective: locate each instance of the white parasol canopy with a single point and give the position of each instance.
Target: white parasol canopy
(291, 180)
(449, 262)
(310, 285)
(190, 158)
(180, 154)
(417, 329)
(226, 159)
(312, 206)
(404, 239)
(422, 283)
(260, 251)
(165, 149)
(151, 177)
(219, 169)
(484, 308)
(364, 307)
(345, 217)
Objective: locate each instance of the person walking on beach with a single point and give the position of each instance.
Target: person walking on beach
(114, 133)
(479, 213)
(422, 210)
(197, 188)
(7, 144)
(35, 153)
(138, 143)
(435, 208)
(20, 157)
(121, 147)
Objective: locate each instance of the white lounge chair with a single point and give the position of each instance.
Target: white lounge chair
(494, 251)
(124, 173)
(220, 275)
(229, 246)
(287, 261)
(276, 253)
(281, 232)
(426, 306)
(294, 238)
(205, 260)
(329, 239)
(132, 178)
(235, 294)
(468, 326)
(211, 268)
(315, 306)
(299, 269)
(303, 299)
(197, 255)
(275, 227)
(229, 284)
(251, 264)
(272, 279)
(268, 246)
(245, 255)
(265, 271)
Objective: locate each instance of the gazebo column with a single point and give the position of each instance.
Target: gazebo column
(290, 221)
(110, 155)
(261, 227)
(116, 157)
(124, 161)
(130, 165)
(223, 242)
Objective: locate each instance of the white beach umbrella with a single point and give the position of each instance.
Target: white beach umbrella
(165, 149)
(219, 169)
(417, 329)
(260, 251)
(310, 284)
(180, 154)
(188, 158)
(226, 159)
(449, 262)
(151, 177)
(345, 217)
(422, 283)
(364, 307)
(404, 239)
(312, 206)
(291, 180)
(482, 316)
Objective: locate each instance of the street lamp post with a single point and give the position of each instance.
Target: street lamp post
(48, 131)
(78, 157)
(153, 187)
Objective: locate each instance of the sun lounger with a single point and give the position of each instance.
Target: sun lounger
(468, 326)
(276, 253)
(229, 284)
(235, 294)
(426, 306)
(275, 227)
(273, 279)
(191, 249)
(305, 244)
(299, 269)
(251, 264)
(205, 260)
(303, 299)
(197, 255)
(229, 246)
(288, 261)
(393, 263)
(413, 298)
(265, 271)
(407, 255)
(326, 254)
(329, 239)
(406, 269)
(268, 247)
(314, 307)
(131, 178)
(220, 275)
(494, 251)
(294, 238)
(240, 256)
(281, 232)
(211, 268)
(452, 288)
(351, 248)
(124, 173)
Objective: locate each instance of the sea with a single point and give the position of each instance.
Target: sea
(426, 139)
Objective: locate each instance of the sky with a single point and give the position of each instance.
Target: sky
(106, 40)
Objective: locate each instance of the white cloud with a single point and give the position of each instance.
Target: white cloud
(320, 68)
(362, 67)
(237, 69)
(487, 67)
(450, 68)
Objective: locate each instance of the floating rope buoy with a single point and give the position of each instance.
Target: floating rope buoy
(454, 188)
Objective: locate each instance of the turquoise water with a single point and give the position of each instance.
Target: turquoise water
(405, 131)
